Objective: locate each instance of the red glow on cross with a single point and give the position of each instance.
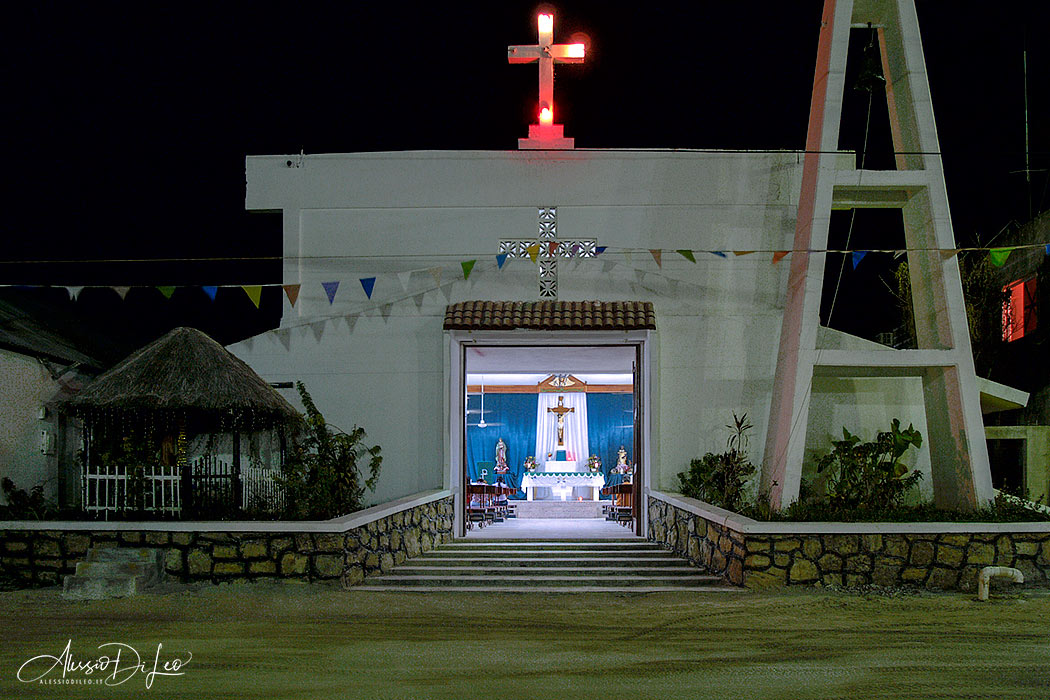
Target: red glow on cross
(546, 116)
(575, 51)
(545, 23)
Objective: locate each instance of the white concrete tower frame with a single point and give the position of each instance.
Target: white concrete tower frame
(960, 471)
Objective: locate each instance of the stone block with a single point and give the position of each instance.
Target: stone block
(49, 563)
(132, 537)
(384, 543)
(943, 579)
(835, 579)
(913, 574)
(353, 575)
(812, 548)
(254, 549)
(757, 562)
(718, 562)
(278, 545)
(782, 559)
(173, 563)
(1004, 550)
(329, 542)
(303, 542)
(735, 572)
(853, 580)
(198, 563)
(871, 543)
(803, 571)
(885, 574)
(842, 544)
(921, 553)
(223, 537)
(400, 556)
(18, 546)
(371, 561)
(158, 539)
(860, 563)
(830, 562)
(411, 541)
(756, 546)
(397, 542)
(895, 546)
(182, 539)
(229, 568)
(76, 544)
(47, 577)
(399, 519)
(328, 565)
(46, 548)
(954, 539)
(294, 564)
(770, 578)
(426, 542)
(786, 544)
(262, 567)
(386, 561)
(224, 551)
(1026, 549)
(980, 554)
(949, 556)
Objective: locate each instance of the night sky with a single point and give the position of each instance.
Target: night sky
(128, 124)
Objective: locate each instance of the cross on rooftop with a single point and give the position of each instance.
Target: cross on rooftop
(546, 249)
(545, 133)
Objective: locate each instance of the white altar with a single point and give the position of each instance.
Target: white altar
(562, 483)
(552, 465)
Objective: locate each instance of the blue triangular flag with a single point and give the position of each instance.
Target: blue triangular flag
(368, 283)
(719, 253)
(500, 259)
(1048, 248)
(600, 249)
(330, 289)
(858, 255)
(210, 291)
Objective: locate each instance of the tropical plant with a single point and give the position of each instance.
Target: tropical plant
(869, 475)
(322, 475)
(26, 505)
(721, 479)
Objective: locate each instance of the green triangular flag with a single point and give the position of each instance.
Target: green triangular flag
(998, 256)
(166, 291)
(687, 254)
(467, 267)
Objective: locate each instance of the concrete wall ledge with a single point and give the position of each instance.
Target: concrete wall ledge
(341, 524)
(748, 526)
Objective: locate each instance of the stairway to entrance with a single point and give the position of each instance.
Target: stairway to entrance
(628, 565)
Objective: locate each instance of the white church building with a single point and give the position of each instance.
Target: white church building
(686, 281)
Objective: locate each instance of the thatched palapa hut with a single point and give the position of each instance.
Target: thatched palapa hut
(141, 413)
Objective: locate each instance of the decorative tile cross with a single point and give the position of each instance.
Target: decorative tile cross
(546, 249)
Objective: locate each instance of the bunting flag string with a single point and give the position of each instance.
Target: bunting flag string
(292, 292)
(435, 272)
(998, 256)
(657, 256)
(857, 256)
(211, 291)
(687, 254)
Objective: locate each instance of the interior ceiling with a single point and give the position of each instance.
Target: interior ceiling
(530, 364)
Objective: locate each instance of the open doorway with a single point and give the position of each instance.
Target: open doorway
(551, 441)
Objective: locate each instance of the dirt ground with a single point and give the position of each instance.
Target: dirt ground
(298, 641)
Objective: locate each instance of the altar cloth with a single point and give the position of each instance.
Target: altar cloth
(563, 481)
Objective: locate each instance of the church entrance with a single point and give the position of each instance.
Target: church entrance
(551, 437)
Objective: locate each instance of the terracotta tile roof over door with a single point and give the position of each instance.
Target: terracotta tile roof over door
(550, 315)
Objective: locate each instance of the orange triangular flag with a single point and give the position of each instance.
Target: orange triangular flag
(292, 292)
(949, 253)
(657, 255)
(743, 252)
(779, 255)
(254, 292)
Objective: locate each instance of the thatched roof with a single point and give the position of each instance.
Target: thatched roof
(185, 372)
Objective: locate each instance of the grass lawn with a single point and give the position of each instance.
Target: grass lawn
(296, 641)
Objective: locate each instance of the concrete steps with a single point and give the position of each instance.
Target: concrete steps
(630, 565)
(113, 573)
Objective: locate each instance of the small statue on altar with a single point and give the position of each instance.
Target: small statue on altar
(501, 458)
(530, 464)
(622, 465)
(594, 464)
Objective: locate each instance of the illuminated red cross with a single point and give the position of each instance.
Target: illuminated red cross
(546, 134)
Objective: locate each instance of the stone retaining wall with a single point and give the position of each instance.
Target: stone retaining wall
(936, 560)
(42, 557)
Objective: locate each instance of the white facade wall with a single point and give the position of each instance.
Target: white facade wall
(27, 386)
(385, 214)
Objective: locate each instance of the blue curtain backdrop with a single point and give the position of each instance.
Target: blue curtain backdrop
(509, 416)
(610, 424)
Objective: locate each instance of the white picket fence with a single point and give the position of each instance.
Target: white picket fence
(106, 489)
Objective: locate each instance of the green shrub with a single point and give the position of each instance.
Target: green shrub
(26, 505)
(869, 476)
(721, 479)
(322, 473)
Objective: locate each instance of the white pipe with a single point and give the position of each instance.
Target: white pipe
(986, 574)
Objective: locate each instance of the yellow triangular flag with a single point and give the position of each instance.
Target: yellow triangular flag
(254, 292)
(743, 252)
(534, 251)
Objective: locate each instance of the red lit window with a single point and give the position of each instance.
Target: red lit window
(1019, 312)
